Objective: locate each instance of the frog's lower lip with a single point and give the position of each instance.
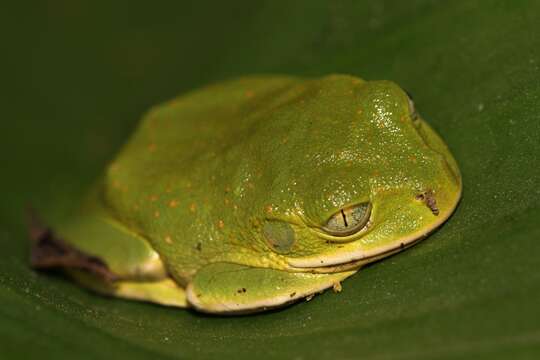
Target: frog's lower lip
(356, 258)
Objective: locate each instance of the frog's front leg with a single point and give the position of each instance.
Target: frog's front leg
(232, 288)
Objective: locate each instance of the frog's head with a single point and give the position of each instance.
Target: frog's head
(360, 175)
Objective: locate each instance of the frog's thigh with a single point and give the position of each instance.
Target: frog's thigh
(106, 258)
(165, 291)
(232, 288)
(92, 243)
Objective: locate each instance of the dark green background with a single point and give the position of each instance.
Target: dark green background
(77, 75)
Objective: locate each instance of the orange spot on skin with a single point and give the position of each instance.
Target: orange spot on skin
(118, 186)
(173, 203)
(220, 224)
(153, 198)
(269, 209)
(156, 214)
(192, 207)
(154, 122)
(114, 167)
(152, 147)
(168, 239)
(249, 94)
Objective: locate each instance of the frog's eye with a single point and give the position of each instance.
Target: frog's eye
(412, 109)
(349, 220)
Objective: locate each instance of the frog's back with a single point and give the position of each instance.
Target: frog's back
(162, 179)
(174, 137)
(204, 120)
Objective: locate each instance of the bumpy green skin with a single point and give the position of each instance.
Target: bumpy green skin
(205, 174)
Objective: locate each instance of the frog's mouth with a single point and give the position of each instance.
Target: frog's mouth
(333, 264)
(353, 255)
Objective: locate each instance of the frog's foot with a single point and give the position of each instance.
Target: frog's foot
(231, 288)
(164, 292)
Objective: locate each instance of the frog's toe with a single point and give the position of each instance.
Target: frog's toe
(231, 288)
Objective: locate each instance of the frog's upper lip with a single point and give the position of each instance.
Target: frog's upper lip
(358, 257)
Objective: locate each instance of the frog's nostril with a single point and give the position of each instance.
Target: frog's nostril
(428, 198)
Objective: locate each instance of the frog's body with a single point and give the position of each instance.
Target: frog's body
(221, 199)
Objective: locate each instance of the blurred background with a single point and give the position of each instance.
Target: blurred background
(78, 75)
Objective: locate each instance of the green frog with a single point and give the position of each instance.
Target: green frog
(257, 192)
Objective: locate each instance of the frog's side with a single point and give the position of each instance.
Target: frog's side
(225, 192)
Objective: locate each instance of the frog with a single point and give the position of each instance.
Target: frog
(254, 193)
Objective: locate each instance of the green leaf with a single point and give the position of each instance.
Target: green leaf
(80, 74)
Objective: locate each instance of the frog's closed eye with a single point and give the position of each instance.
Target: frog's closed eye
(349, 220)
